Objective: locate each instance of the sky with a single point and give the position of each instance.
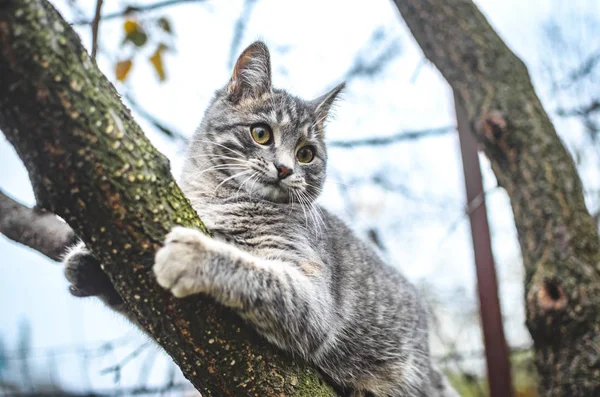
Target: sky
(313, 44)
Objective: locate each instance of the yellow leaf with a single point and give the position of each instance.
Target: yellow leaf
(122, 69)
(157, 62)
(131, 26)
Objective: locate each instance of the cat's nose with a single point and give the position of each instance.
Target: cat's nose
(283, 171)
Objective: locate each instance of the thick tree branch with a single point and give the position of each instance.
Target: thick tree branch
(558, 237)
(35, 228)
(90, 163)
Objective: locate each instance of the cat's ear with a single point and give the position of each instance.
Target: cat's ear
(251, 76)
(323, 104)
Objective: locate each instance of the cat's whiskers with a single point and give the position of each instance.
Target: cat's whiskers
(315, 211)
(316, 217)
(251, 188)
(231, 177)
(221, 145)
(300, 201)
(220, 167)
(318, 212)
(211, 156)
(245, 180)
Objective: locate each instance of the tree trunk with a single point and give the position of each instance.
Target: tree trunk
(90, 163)
(558, 237)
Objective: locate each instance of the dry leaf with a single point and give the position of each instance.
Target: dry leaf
(130, 26)
(122, 69)
(157, 62)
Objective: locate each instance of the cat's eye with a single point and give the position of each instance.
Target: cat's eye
(261, 134)
(306, 154)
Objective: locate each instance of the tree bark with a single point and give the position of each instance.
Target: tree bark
(90, 163)
(557, 235)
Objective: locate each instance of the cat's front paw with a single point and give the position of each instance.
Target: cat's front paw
(86, 277)
(181, 264)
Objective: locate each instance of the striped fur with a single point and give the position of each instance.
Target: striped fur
(294, 271)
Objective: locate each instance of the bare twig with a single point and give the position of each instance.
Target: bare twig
(367, 65)
(136, 9)
(583, 111)
(119, 391)
(239, 29)
(95, 27)
(388, 140)
(587, 66)
(37, 229)
(117, 368)
(156, 123)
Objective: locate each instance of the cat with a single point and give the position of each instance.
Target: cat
(294, 271)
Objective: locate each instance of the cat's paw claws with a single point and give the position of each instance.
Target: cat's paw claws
(179, 264)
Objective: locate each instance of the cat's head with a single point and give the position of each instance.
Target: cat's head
(261, 140)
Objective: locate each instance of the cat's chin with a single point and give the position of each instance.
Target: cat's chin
(275, 192)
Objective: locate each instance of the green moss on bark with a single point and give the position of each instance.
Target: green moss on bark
(90, 163)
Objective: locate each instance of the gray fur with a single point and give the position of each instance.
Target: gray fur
(290, 268)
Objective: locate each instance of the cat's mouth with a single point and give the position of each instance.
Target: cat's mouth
(272, 189)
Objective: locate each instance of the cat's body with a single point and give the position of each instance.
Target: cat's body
(295, 272)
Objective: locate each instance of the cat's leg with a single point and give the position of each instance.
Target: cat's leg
(288, 307)
(87, 278)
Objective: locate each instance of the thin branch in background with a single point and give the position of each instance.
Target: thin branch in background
(146, 367)
(118, 391)
(136, 9)
(391, 139)
(365, 65)
(478, 354)
(117, 368)
(583, 111)
(343, 189)
(585, 68)
(24, 349)
(95, 27)
(69, 350)
(35, 228)
(158, 124)
(415, 75)
(239, 30)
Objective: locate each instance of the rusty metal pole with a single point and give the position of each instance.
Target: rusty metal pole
(496, 350)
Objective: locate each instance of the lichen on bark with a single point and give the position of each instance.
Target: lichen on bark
(90, 163)
(557, 235)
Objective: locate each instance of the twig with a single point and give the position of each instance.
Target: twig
(136, 9)
(116, 369)
(95, 27)
(158, 124)
(239, 29)
(119, 391)
(388, 140)
(35, 228)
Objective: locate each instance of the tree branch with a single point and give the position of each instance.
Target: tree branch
(391, 139)
(96, 26)
(136, 9)
(558, 237)
(35, 228)
(90, 163)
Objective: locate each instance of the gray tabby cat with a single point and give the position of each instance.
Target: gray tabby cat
(292, 270)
